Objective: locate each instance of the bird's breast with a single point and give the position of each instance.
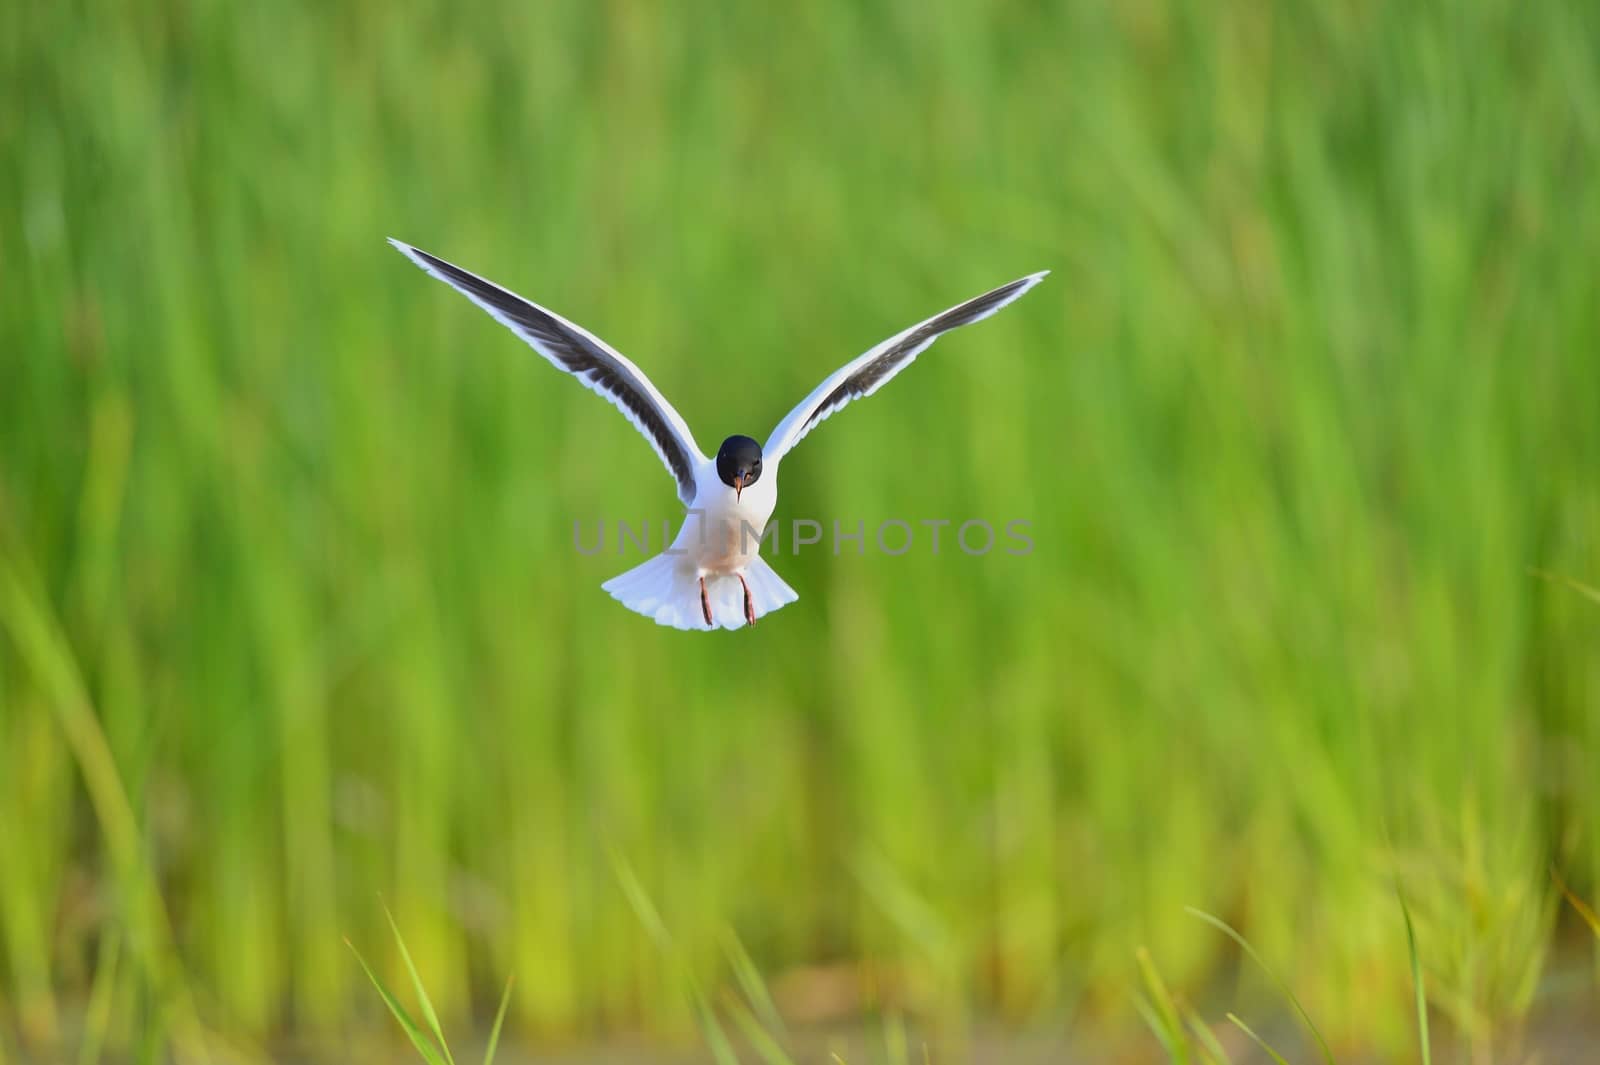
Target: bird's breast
(723, 532)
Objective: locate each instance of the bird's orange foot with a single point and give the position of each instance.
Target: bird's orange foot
(749, 604)
(705, 601)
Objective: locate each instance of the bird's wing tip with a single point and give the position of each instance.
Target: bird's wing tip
(410, 251)
(416, 255)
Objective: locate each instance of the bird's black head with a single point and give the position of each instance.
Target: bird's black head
(739, 463)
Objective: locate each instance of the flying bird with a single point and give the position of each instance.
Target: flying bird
(713, 575)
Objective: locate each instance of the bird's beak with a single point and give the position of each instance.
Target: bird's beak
(738, 485)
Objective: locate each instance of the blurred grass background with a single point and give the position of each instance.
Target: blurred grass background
(291, 614)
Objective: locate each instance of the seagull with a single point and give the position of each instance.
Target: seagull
(713, 575)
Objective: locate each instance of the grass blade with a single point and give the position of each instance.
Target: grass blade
(1587, 591)
(755, 988)
(760, 1037)
(1584, 909)
(1153, 1021)
(1244, 944)
(1208, 1039)
(717, 1039)
(1161, 1011)
(1260, 1042)
(428, 1013)
(499, 1019)
(1416, 983)
(97, 1015)
(429, 1052)
(639, 901)
(645, 910)
(43, 646)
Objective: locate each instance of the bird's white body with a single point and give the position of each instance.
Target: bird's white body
(719, 541)
(713, 575)
(722, 531)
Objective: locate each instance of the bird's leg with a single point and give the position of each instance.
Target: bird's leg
(749, 604)
(705, 600)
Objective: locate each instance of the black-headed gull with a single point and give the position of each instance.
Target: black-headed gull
(713, 575)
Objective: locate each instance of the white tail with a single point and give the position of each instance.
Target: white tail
(666, 588)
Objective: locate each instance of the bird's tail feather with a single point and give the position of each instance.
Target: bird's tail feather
(668, 591)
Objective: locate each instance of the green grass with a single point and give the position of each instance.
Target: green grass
(429, 1041)
(1186, 1037)
(1306, 420)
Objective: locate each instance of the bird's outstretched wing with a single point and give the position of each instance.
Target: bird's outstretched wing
(868, 373)
(585, 356)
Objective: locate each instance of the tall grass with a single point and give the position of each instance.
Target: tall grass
(1311, 390)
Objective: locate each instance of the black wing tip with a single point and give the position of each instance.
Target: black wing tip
(981, 307)
(417, 255)
(1023, 284)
